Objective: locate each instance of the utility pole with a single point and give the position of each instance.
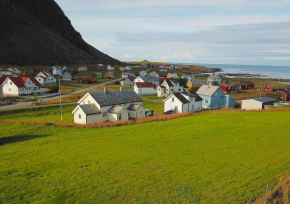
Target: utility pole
(61, 117)
(188, 101)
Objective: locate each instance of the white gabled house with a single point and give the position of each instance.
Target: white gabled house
(108, 106)
(57, 71)
(129, 81)
(214, 80)
(147, 79)
(171, 86)
(128, 68)
(143, 88)
(110, 68)
(183, 102)
(18, 86)
(67, 75)
(172, 75)
(127, 74)
(45, 78)
(83, 69)
(10, 71)
(187, 76)
(154, 74)
(143, 73)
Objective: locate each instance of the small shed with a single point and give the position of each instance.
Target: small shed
(257, 103)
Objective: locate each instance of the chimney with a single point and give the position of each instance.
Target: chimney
(105, 90)
(121, 89)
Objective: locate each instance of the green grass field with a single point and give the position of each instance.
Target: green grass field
(205, 158)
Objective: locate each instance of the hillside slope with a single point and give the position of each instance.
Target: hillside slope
(205, 158)
(38, 32)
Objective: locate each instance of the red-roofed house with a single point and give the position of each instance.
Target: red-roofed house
(285, 95)
(230, 88)
(267, 88)
(45, 78)
(10, 71)
(17, 86)
(143, 88)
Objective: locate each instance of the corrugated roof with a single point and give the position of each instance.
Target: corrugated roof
(145, 85)
(149, 78)
(198, 82)
(265, 99)
(207, 90)
(134, 107)
(115, 109)
(286, 92)
(90, 109)
(111, 98)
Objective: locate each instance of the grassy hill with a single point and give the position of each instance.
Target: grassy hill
(205, 158)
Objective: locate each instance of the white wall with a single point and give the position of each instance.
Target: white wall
(145, 91)
(171, 105)
(251, 104)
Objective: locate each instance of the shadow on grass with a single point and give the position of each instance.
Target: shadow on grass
(16, 139)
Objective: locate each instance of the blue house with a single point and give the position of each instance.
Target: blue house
(214, 97)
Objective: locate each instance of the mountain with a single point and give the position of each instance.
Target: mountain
(37, 32)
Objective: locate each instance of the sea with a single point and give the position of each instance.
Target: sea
(282, 72)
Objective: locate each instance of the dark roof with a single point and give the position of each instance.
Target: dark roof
(265, 99)
(134, 107)
(90, 109)
(287, 92)
(169, 83)
(230, 85)
(149, 78)
(110, 98)
(198, 82)
(184, 100)
(145, 85)
(115, 109)
(197, 97)
(246, 82)
(181, 97)
(162, 75)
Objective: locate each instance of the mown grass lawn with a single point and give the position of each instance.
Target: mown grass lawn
(205, 158)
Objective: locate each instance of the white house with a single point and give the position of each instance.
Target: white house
(45, 78)
(172, 75)
(1, 92)
(100, 66)
(18, 86)
(142, 88)
(257, 103)
(214, 80)
(154, 74)
(110, 68)
(127, 74)
(147, 79)
(183, 102)
(187, 76)
(143, 73)
(10, 71)
(171, 86)
(129, 81)
(66, 68)
(83, 69)
(67, 76)
(57, 71)
(128, 68)
(108, 106)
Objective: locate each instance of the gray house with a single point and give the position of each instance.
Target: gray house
(67, 76)
(129, 81)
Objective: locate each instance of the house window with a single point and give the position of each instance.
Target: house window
(172, 90)
(10, 83)
(105, 114)
(172, 99)
(80, 116)
(206, 101)
(120, 116)
(89, 102)
(179, 89)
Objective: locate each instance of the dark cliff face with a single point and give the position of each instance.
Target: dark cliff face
(37, 32)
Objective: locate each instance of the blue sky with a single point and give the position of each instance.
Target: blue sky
(189, 31)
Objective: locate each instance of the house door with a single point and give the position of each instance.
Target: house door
(119, 116)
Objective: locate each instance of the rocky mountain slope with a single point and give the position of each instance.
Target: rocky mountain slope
(37, 32)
